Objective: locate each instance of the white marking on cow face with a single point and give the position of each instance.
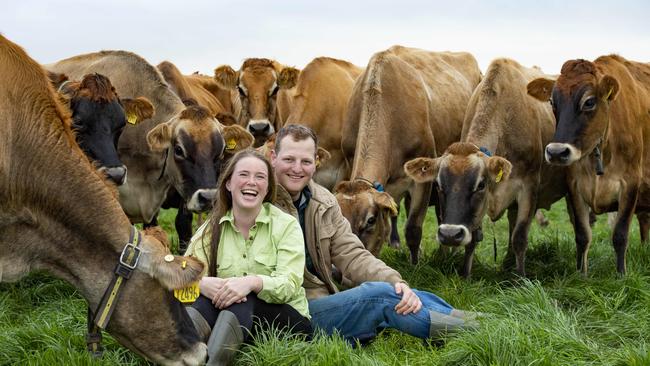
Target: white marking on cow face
(201, 200)
(454, 235)
(561, 153)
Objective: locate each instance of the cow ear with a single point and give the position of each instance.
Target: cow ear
(322, 156)
(385, 202)
(541, 89)
(422, 170)
(57, 78)
(226, 77)
(172, 271)
(288, 77)
(138, 109)
(608, 88)
(236, 138)
(498, 168)
(226, 119)
(160, 137)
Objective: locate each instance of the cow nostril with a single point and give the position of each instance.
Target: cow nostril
(206, 197)
(558, 153)
(116, 174)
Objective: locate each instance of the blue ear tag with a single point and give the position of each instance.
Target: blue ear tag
(378, 187)
(485, 151)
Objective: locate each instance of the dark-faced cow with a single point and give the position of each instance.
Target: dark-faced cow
(407, 103)
(498, 166)
(603, 137)
(98, 118)
(194, 145)
(259, 93)
(58, 214)
(317, 97)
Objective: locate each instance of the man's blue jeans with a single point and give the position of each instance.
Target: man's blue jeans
(359, 313)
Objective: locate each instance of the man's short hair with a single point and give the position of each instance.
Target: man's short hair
(298, 133)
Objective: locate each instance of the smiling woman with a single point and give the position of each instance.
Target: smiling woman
(255, 258)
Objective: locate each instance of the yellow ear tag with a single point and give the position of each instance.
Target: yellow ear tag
(608, 94)
(499, 176)
(132, 118)
(188, 294)
(184, 264)
(231, 144)
(317, 162)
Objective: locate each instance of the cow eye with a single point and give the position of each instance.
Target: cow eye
(480, 186)
(589, 104)
(178, 151)
(370, 222)
(241, 90)
(274, 91)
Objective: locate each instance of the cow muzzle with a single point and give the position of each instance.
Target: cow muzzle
(561, 154)
(260, 127)
(454, 235)
(116, 174)
(201, 200)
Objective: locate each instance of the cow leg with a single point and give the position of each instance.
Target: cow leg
(394, 235)
(417, 213)
(183, 225)
(626, 205)
(519, 235)
(509, 259)
(468, 259)
(644, 225)
(542, 221)
(579, 212)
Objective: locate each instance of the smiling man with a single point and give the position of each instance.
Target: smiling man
(381, 298)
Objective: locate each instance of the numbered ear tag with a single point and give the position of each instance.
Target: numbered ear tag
(188, 294)
(231, 144)
(499, 176)
(132, 118)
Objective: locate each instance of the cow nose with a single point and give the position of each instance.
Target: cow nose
(452, 234)
(117, 174)
(259, 128)
(557, 153)
(206, 196)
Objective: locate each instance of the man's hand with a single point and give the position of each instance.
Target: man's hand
(410, 302)
(235, 290)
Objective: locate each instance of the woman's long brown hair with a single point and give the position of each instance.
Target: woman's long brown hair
(223, 202)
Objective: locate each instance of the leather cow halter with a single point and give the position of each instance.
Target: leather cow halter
(98, 320)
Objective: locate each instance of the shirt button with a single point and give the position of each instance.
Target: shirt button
(244, 255)
(245, 274)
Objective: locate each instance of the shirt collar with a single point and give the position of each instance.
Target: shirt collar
(263, 217)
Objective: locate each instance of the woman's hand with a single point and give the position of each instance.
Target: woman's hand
(211, 286)
(235, 290)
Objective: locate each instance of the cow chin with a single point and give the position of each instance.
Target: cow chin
(454, 235)
(557, 153)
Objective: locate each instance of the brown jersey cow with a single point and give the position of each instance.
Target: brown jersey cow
(259, 94)
(602, 109)
(407, 103)
(318, 98)
(58, 214)
(498, 166)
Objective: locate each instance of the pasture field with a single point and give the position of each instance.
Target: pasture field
(554, 317)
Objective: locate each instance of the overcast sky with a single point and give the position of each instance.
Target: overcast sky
(200, 35)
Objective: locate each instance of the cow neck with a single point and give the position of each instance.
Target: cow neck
(372, 158)
(74, 210)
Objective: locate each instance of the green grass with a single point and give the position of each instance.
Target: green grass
(553, 317)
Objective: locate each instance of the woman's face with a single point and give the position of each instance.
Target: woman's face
(249, 183)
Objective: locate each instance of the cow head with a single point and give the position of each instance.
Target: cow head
(464, 177)
(196, 145)
(147, 318)
(257, 83)
(580, 99)
(368, 210)
(99, 116)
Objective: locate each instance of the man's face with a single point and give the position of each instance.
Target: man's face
(294, 164)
